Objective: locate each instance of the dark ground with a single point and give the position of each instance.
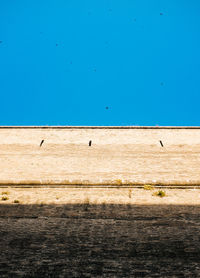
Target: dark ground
(99, 241)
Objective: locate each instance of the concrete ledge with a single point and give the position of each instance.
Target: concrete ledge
(98, 184)
(100, 127)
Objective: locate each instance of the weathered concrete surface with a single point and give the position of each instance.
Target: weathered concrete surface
(78, 195)
(133, 155)
(99, 241)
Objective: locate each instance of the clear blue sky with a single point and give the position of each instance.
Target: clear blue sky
(62, 62)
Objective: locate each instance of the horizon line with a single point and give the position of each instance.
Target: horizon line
(98, 127)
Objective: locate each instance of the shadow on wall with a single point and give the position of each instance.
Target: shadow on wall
(88, 240)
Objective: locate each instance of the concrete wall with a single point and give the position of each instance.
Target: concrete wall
(130, 154)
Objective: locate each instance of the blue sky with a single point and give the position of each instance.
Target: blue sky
(62, 62)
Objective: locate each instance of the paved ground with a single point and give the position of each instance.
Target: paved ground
(92, 240)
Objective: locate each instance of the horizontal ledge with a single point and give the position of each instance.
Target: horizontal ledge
(192, 186)
(90, 184)
(104, 186)
(100, 127)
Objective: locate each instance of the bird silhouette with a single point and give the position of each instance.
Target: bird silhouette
(41, 143)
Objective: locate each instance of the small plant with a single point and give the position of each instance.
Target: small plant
(118, 182)
(148, 187)
(159, 193)
(130, 193)
(5, 193)
(16, 201)
(86, 203)
(4, 198)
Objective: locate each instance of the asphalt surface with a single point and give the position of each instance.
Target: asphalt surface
(99, 241)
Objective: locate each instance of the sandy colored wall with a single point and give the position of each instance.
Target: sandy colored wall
(133, 155)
